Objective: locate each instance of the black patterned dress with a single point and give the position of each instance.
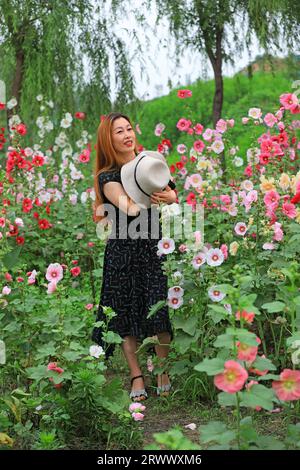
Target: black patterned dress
(133, 280)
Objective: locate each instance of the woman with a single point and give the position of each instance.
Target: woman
(133, 279)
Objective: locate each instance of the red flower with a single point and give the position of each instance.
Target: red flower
(79, 115)
(296, 198)
(38, 160)
(2, 106)
(20, 240)
(166, 142)
(44, 224)
(27, 204)
(21, 129)
(75, 271)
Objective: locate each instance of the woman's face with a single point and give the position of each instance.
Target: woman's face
(123, 137)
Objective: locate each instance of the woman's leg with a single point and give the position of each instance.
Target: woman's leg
(129, 347)
(162, 351)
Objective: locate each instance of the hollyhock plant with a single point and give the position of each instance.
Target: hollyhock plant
(54, 272)
(215, 294)
(288, 387)
(232, 379)
(247, 316)
(240, 228)
(246, 352)
(136, 407)
(214, 257)
(175, 302)
(166, 246)
(175, 291)
(198, 260)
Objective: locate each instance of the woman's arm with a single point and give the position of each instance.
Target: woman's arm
(115, 193)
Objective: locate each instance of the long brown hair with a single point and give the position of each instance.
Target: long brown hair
(106, 157)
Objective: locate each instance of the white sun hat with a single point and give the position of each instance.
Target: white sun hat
(147, 173)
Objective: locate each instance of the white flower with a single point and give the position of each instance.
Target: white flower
(198, 260)
(96, 351)
(177, 277)
(238, 161)
(39, 97)
(166, 246)
(175, 291)
(215, 294)
(11, 103)
(247, 185)
(175, 302)
(50, 103)
(6, 290)
(218, 146)
(240, 228)
(84, 197)
(268, 246)
(214, 257)
(255, 113)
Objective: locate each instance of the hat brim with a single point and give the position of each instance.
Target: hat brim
(129, 184)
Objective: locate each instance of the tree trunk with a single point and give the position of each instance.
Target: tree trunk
(17, 81)
(216, 61)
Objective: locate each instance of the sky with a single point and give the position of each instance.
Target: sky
(159, 60)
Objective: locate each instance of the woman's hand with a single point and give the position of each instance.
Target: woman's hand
(168, 196)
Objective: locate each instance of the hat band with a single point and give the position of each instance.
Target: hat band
(141, 189)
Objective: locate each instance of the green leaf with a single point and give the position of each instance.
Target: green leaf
(216, 431)
(11, 259)
(261, 363)
(258, 395)
(227, 399)
(112, 338)
(273, 307)
(37, 373)
(184, 341)
(211, 366)
(188, 325)
(156, 307)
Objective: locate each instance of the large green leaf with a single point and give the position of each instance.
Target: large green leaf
(11, 259)
(188, 325)
(211, 366)
(273, 307)
(258, 395)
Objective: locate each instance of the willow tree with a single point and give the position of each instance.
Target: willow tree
(61, 50)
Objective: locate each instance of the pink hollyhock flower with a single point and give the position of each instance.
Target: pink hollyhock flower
(52, 286)
(75, 271)
(225, 199)
(270, 119)
(6, 290)
(248, 171)
(198, 128)
(246, 352)
(224, 250)
(232, 379)
(288, 387)
(183, 124)
(89, 306)
(240, 228)
(271, 199)
(136, 407)
(208, 134)
(138, 416)
(84, 157)
(245, 120)
(221, 126)
(247, 316)
(198, 260)
(195, 180)
(2, 222)
(20, 279)
(230, 122)
(278, 233)
(199, 146)
(288, 100)
(183, 248)
(289, 210)
(53, 366)
(54, 272)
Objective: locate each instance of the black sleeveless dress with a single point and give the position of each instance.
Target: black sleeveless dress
(133, 279)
